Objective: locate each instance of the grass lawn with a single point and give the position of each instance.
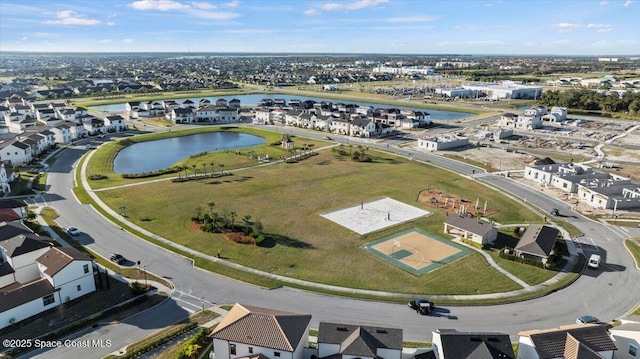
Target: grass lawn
(634, 248)
(306, 245)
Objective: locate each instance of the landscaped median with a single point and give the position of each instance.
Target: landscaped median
(288, 200)
(633, 246)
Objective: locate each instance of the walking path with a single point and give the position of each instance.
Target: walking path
(319, 286)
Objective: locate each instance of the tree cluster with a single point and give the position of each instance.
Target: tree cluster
(215, 222)
(585, 99)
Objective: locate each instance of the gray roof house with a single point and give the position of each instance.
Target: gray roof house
(451, 344)
(578, 341)
(470, 228)
(344, 341)
(248, 331)
(537, 242)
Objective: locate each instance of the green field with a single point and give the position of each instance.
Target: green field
(288, 200)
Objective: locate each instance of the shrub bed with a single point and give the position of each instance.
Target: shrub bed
(153, 173)
(513, 257)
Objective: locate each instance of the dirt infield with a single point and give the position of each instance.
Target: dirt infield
(416, 251)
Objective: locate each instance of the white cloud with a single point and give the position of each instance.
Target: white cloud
(352, 5)
(410, 19)
(565, 27)
(487, 5)
(105, 41)
(161, 5)
(203, 6)
(24, 39)
(600, 27)
(627, 3)
(603, 3)
(111, 23)
(311, 12)
(233, 3)
(70, 17)
(128, 41)
(197, 9)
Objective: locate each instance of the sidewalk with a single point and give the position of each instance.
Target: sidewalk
(325, 287)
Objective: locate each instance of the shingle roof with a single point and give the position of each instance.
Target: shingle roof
(573, 349)
(468, 224)
(55, 259)
(11, 203)
(5, 268)
(465, 345)
(20, 145)
(263, 327)
(359, 340)
(551, 343)
(538, 240)
(12, 296)
(23, 243)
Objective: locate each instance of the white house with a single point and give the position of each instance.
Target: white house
(206, 113)
(114, 123)
(37, 277)
(248, 331)
(181, 115)
(348, 341)
(227, 114)
(362, 128)
(62, 134)
(262, 116)
(16, 153)
(627, 338)
(562, 342)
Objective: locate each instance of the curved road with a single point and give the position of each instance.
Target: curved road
(607, 293)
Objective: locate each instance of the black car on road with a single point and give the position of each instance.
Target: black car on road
(422, 306)
(118, 258)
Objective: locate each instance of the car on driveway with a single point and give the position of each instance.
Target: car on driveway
(118, 258)
(594, 261)
(73, 231)
(587, 319)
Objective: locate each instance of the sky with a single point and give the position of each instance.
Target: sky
(476, 27)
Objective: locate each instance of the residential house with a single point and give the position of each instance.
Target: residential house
(348, 341)
(114, 123)
(6, 177)
(627, 338)
(206, 113)
(340, 126)
(571, 342)
(451, 344)
(470, 228)
(227, 114)
(35, 277)
(62, 133)
(248, 331)
(93, 126)
(537, 242)
(182, 115)
(262, 116)
(16, 153)
(362, 128)
(508, 120)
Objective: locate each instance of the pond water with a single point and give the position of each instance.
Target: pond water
(252, 100)
(155, 155)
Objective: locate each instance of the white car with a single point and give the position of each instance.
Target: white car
(101, 135)
(594, 261)
(73, 231)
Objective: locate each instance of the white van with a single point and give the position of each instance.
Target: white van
(594, 261)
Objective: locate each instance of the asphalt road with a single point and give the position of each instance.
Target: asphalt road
(607, 293)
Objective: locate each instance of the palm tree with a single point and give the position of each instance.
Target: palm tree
(246, 219)
(204, 167)
(211, 205)
(213, 170)
(233, 215)
(194, 170)
(221, 168)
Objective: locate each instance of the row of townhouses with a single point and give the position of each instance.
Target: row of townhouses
(533, 118)
(35, 276)
(597, 189)
(31, 128)
(339, 118)
(254, 332)
(187, 111)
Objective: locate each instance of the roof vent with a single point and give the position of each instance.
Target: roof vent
(382, 331)
(342, 329)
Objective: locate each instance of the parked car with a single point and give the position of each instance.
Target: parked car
(118, 258)
(594, 261)
(87, 147)
(101, 135)
(555, 212)
(327, 138)
(73, 231)
(587, 319)
(422, 306)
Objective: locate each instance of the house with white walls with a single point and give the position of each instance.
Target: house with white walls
(248, 331)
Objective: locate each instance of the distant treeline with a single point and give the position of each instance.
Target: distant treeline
(585, 99)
